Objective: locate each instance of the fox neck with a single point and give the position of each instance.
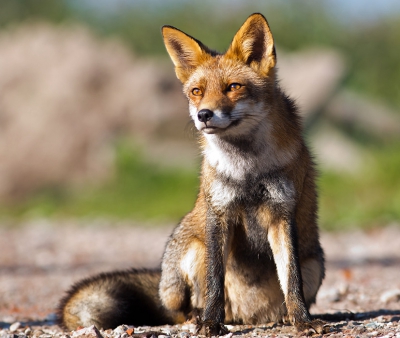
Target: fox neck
(256, 153)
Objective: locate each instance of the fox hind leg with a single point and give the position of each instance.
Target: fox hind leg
(312, 271)
(182, 286)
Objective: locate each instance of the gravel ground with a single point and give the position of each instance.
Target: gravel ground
(39, 260)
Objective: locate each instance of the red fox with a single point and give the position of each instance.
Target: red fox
(249, 251)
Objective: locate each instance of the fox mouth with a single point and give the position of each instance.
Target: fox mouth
(212, 129)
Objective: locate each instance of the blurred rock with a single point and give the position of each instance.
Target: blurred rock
(65, 96)
(311, 77)
(335, 151)
(15, 326)
(390, 296)
(366, 115)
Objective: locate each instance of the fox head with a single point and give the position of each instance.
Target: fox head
(224, 90)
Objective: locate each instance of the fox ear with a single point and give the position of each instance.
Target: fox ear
(254, 45)
(186, 52)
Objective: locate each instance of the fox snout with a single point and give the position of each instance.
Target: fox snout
(205, 115)
(210, 121)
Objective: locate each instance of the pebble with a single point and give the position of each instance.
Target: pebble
(120, 329)
(15, 326)
(390, 296)
(382, 326)
(90, 331)
(229, 335)
(371, 326)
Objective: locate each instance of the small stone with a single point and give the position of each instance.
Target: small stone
(15, 326)
(90, 331)
(189, 327)
(163, 336)
(167, 331)
(373, 334)
(332, 295)
(184, 334)
(390, 296)
(381, 319)
(28, 331)
(120, 329)
(371, 326)
(229, 335)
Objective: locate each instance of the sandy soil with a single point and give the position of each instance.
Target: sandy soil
(39, 260)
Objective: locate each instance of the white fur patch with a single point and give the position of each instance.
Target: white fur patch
(221, 194)
(282, 260)
(254, 126)
(227, 161)
(189, 267)
(188, 263)
(224, 162)
(218, 120)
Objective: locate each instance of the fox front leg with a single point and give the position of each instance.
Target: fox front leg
(282, 237)
(216, 241)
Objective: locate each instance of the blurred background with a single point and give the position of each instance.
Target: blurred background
(93, 124)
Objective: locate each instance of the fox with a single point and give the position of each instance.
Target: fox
(249, 252)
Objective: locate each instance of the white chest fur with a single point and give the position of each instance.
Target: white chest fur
(237, 164)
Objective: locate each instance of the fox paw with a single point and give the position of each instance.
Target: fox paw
(210, 328)
(315, 326)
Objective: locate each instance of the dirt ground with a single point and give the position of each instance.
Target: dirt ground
(40, 259)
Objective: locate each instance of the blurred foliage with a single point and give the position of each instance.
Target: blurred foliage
(144, 191)
(138, 190)
(18, 11)
(367, 199)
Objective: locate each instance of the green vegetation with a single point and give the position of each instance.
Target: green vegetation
(138, 190)
(368, 199)
(143, 191)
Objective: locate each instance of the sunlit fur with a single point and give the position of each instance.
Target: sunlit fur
(249, 251)
(257, 199)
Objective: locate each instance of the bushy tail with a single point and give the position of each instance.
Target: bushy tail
(111, 299)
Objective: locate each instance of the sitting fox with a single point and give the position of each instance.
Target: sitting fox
(249, 251)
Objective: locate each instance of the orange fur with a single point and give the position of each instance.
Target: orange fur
(249, 250)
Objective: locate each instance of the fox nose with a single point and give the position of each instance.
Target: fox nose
(205, 115)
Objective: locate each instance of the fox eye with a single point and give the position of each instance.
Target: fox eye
(197, 92)
(234, 86)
